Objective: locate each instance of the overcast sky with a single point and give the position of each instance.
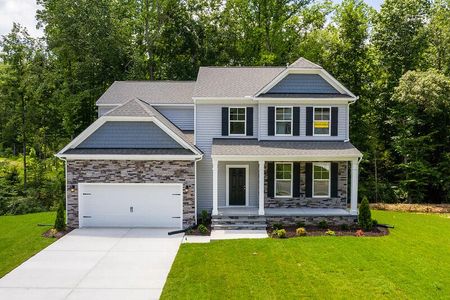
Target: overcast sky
(24, 11)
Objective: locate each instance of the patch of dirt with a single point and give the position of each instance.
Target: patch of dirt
(422, 208)
(195, 231)
(53, 233)
(316, 231)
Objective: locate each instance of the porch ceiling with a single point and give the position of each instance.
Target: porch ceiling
(288, 149)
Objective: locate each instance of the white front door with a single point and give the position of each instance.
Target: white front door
(130, 205)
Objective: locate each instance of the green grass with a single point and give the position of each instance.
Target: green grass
(20, 238)
(413, 262)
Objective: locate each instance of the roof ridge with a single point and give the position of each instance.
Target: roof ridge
(304, 61)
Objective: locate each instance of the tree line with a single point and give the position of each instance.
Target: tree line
(397, 60)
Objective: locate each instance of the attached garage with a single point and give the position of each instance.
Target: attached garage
(130, 205)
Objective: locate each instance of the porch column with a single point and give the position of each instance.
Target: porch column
(261, 188)
(354, 196)
(215, 210)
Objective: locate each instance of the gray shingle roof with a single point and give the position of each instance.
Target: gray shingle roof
(303, 95)
(253, 147)
(233, 81)
(152, 92)
(112, 151)
(303, 63)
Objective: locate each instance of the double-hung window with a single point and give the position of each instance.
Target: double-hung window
(322, 120)
(283, 179)
(283, 121)
(237, 120)
(321, 180)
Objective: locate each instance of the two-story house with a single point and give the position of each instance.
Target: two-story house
(251, 145)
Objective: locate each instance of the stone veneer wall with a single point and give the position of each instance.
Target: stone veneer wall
(303, 201)
(311, 220)
(127, 171)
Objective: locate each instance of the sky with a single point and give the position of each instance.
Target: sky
(24, 11)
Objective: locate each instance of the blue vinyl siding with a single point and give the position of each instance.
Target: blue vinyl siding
(135, 135)
(303, 84)
(181, 116)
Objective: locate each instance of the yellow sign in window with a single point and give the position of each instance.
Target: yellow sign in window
(321, 124)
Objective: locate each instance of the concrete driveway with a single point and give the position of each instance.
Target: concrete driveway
(101, 263)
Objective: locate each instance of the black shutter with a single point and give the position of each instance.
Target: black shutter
(334, 121)
(224, 121)
(249, 121)
(296, 121)
(296, 179)
(334, 179)
(309, 121)
(309, 180)
(270, 179)
(271, 120)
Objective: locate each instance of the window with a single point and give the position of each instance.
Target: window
(321, 179)
(237, 120)
(283, 121)
(322, 119)
(283, 180)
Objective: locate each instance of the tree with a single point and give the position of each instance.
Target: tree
(60, 223)
(365, 216)
(439, 36)
(422, 128)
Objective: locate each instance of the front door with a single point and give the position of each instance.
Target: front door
(236, 186)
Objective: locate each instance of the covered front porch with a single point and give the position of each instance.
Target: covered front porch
(290, 185)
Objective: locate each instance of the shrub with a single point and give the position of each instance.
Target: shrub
(365, 217)
(203, 229)
(345, 227)
(279, 233)
(323, 224)
(359, 233)
(300, 231)
(330, 232)
(204, 217)
(60, 223)
(277, 226)
(374, 223)
(300, 224)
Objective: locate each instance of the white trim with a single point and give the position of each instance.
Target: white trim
(281, 158)
(102, 120)
(127, 157)
(240, 121)
(324, 74)
(81, 184)
(329, 180)
(292, 120)
(227, 187)
(354, 186)
(215, 206)
(261, 209)
(275, 179)
(329, 124)
(309, 101)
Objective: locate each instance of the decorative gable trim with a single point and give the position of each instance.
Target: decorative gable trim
(324, 74)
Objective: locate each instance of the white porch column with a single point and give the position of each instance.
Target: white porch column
(215, 210)
(261, 188)
(354, 196)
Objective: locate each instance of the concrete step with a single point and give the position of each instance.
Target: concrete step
(239, 226)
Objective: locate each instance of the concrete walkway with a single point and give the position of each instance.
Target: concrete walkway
(101, 263)
(238, 234)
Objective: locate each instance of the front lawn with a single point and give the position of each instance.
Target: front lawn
(20, 238)
(412, 262)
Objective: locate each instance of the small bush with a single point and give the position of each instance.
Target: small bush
(279, 233)
(345, 227)
(365, 217)
(203, 229)
(204, 217)
(300, 231)
(277, 226)
(323, 224)
(359, 233)
(374, 223)
(60, 223)
(330, 232)
(300, 224)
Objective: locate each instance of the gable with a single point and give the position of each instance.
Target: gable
(133, 135)
(303, 84)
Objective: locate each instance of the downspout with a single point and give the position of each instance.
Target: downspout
(348, 119)
(65, 187)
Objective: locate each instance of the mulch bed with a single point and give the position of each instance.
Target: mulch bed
(195, 231)
(420, 208)
(316, 231)
(52, 233)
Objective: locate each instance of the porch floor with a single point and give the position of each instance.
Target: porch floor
(306, 211)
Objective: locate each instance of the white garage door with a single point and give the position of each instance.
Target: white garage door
(130, 205)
